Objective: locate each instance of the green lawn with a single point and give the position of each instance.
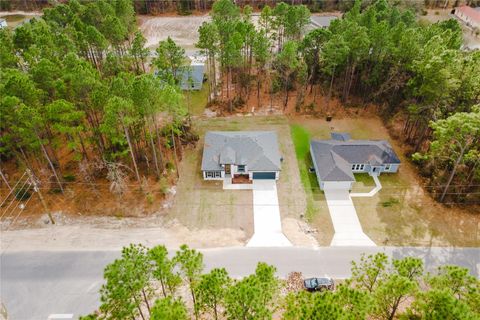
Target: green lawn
(198, 100)
(316, 211)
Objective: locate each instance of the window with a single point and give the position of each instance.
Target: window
(387, 167)
(241, 168)
(213, 174)
(357, 167)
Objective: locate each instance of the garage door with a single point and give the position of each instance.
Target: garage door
(264, 175)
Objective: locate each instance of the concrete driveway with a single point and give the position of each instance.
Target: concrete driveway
(348, 230)
(266, 216)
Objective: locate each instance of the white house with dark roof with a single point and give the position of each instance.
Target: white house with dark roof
(336, 160)
(241, 156)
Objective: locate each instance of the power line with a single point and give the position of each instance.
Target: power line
(12, 189)
(14, 220)
(15, 196)
(18, 202)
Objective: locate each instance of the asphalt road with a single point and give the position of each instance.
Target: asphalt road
(35, 285)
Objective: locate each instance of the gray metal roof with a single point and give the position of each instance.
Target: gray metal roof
(256, 149)
(334, 158)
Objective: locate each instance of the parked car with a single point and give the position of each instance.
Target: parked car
(319, 284)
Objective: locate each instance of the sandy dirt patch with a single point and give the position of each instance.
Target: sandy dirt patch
(183, 30)
(113, 234)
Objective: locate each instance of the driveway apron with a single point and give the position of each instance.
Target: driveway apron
(348, 230)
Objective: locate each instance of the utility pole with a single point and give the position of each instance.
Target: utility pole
(34, 182)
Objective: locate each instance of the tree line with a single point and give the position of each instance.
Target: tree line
(75, 79)
(149, 283)
(186, 7)
(377, 53)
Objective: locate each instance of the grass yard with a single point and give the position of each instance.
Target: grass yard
(198, 100)
(401, 213)
(317, 209)
(204, 204)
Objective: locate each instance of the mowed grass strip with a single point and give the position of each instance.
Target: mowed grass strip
(301, 141)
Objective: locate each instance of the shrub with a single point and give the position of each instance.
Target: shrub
(69, 177)
(163, 184)
(22, 194)
(170, 166)
(149, 198)
(390, 203)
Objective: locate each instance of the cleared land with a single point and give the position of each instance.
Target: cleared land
(401, 214)
(183, 30)
(203, 204)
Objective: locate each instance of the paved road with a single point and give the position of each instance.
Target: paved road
(35, 285)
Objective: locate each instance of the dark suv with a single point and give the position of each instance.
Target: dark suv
(319, 284)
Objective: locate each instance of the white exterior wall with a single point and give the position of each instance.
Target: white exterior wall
(393, 168)
(3, 23)
(336, 185)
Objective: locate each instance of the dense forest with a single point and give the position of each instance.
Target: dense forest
(75, 79)
(148, 283)
(186, 7)
(416, 74)
(73, 82)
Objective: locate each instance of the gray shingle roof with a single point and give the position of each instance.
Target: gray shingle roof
(334, 158)
(256, 149)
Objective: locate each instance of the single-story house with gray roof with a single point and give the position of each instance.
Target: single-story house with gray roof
(336, 160)
(191, 77)
(241, 155)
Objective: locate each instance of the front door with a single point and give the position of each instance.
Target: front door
(227, 169)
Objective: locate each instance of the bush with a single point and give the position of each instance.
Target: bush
(56, 190)
(170, 166)
(390, 203)
(69, 177)
(22, 194)
(164, 186)
(149, 198)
